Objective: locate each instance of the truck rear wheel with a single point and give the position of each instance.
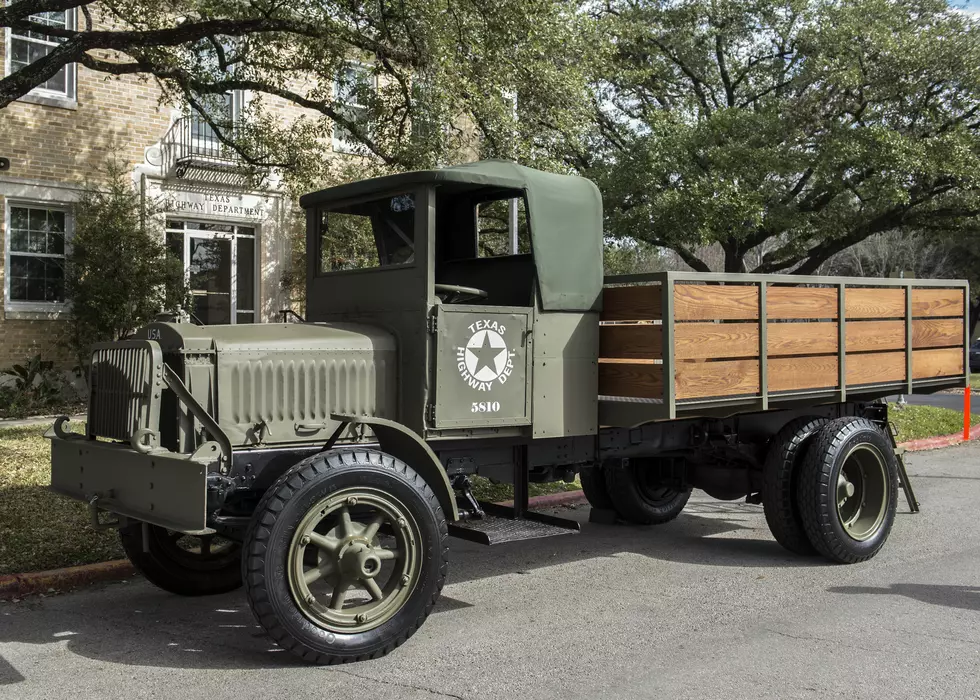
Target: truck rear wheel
(638, 496)
(848, 490)
(345, 556)
(188, 565)
(780, 474)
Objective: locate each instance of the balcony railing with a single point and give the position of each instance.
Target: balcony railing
(193, 151)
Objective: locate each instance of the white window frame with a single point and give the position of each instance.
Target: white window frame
(41, 94)
(188, 232)
(11, 305)
(341, 145)
(202, 146)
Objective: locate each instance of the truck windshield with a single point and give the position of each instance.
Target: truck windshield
(376, 233)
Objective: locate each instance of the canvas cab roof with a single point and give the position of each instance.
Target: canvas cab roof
(565, 214)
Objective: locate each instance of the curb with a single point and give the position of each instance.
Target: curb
(14, 586)
(932, 443)
(551, 499)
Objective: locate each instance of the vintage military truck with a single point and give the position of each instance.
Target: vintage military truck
(323, 463)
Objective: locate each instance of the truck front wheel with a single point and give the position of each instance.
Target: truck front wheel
(345, 556)
(848, 490)
(188, 565)
(639, 496)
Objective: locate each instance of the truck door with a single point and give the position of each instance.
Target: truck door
(482, 367)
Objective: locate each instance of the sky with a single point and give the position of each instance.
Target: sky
(970, 5)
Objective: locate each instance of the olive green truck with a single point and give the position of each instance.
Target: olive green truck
(458, 323)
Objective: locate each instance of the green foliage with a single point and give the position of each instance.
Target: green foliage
(788, 128)
(442, 81)
(118, 275)
(630, 256)
(34, 388)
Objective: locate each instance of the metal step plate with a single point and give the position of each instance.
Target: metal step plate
(494, 530)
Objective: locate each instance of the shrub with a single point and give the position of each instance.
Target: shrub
(118, 275)
(34, 388)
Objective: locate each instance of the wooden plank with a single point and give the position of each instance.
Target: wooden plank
(875, 336)
(947, 362)
(875, 367)
(874, 302)
(795, 373)
(703, 302)
(641, 341)
(698, 380)
(638, 303)
(642, 380)
(801, 302)
(801, 338)
(937, 333)
(929, 302)
(699, 341)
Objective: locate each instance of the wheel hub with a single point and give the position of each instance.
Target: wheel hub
(862, 492)
(365, 564)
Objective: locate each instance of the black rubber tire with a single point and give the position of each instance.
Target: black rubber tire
(267, 544)
(635, 500)
(780, 475)
(181, 572)
(817, 486)
(594, 487)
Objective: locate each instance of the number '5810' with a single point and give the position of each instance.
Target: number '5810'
(485, 407)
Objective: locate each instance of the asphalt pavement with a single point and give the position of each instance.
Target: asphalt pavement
(708, 606)
(951, 401)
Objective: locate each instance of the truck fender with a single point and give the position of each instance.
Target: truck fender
(399, 441)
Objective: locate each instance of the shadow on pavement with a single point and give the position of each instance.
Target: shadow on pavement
(962, 597)
(219, 632)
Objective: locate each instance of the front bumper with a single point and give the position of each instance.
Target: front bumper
(157, 487)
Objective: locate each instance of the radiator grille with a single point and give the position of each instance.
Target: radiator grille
(124, 376)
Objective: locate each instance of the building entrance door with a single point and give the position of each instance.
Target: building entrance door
(219, 264)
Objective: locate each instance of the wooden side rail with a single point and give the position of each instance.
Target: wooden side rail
(759, 337)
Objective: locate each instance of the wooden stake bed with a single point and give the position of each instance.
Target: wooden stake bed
(681, 343)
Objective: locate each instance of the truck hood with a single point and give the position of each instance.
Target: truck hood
(279, 383)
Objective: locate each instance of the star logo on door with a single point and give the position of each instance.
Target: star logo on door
(485, 358)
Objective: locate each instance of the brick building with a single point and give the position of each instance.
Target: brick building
(229, 235)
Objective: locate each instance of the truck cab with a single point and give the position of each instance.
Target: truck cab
(489, 276)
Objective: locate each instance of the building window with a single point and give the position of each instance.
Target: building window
(26, 47)
(351, 86)
(223, 111)
(36, 254)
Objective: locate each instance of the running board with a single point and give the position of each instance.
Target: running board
(504, 524)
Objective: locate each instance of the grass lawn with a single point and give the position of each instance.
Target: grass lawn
(914, 422)
(38, 529)
(975, 382)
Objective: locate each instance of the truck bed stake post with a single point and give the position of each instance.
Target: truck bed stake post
(520, 481)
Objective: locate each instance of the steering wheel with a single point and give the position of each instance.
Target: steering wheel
(454, 294)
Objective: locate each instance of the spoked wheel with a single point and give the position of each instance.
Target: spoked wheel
(188, 565)
(345, 556)
(848, 490)
(638, 494)
(353, 559)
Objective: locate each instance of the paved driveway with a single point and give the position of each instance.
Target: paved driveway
(708, 606)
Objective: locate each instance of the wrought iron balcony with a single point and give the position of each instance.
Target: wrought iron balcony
(193, 151)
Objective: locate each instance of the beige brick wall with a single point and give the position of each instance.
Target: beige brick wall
(54, 151)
